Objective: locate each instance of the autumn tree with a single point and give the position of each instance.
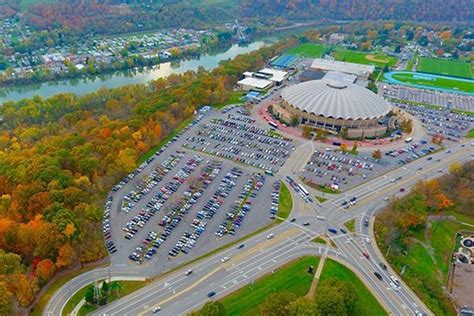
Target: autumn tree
(377, 154)
(277, 304)
(307, 130)
(45, 269)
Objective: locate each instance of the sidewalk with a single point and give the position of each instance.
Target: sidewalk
(314, 285)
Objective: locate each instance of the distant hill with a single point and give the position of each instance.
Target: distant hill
(415, 10)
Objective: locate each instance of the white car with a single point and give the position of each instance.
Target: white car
(395, 280)
(225, 259)
(270, 236)
(321, 218)
(394, 286)
(156, 309)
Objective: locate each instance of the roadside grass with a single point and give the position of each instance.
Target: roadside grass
(427, 261)
(447, 83)
(128, 287)
(319, 240)
(285, 202)
(37, 310)
(470, 134)
(292, 277)
(321, 187)
(366, 303)
(311, 50)
(445, 67)
(350, 225)
(380, 60)
(234, 98)
(165, 140)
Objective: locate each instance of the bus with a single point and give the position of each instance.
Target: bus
(303, 189)
(272, 124)
(408, 140)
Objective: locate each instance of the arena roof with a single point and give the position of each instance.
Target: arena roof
(341, 66)
(336, 99)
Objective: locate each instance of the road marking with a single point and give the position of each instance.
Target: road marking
(195, 284)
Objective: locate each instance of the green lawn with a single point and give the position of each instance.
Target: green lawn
(321, 199)
(285, 202)
(414, 78)
(292, 277)
(127, 288)
(470, 134)
(380, 60)
(163, 142)
(445, 67)
(366, 303)
(310, 50)
(234, 98)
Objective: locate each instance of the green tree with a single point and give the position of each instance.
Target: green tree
(302, 307)
(89, 296)
(336, 297)
(213, 308)
(5, 299)
(277, 304)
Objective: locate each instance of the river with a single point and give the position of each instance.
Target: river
(89, 84)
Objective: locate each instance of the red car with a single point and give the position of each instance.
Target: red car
(366, 255)
(402, 190)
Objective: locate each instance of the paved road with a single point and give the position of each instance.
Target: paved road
(178, 294)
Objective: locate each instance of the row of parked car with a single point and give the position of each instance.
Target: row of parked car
(150, 182)
(171, 220)
(241, 118)
(106, 226)
(159, 199)
(275, 199)
(242, 205)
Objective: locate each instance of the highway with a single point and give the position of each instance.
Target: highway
(178, 293)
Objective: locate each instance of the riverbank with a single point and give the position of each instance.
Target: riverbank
(88, 84)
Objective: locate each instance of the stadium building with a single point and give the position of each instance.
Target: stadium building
(336, 106)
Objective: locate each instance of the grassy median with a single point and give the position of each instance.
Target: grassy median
(285, 202)
(292, 277)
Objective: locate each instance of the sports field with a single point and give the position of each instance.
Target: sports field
(380, 60)
(310, 50)
(445, 67)
(431, 81)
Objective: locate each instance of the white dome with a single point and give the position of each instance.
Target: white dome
(336, 99)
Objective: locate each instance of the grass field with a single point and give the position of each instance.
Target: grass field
(445, 67)
(429, 256)
(454, 84)
(366, 303)
(285, 202)
(234, 98)
(292, 277)
(380, 60)
(310, 50)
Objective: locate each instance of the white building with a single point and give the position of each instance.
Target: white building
(359, 70)
(257, 84)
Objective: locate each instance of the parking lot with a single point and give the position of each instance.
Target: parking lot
(341, 171)
(444, 99)
(451, 126)
(234, 137)
(184, 202)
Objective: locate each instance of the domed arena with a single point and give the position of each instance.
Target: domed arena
(336, 106)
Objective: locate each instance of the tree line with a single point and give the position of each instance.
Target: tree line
(60, 156)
